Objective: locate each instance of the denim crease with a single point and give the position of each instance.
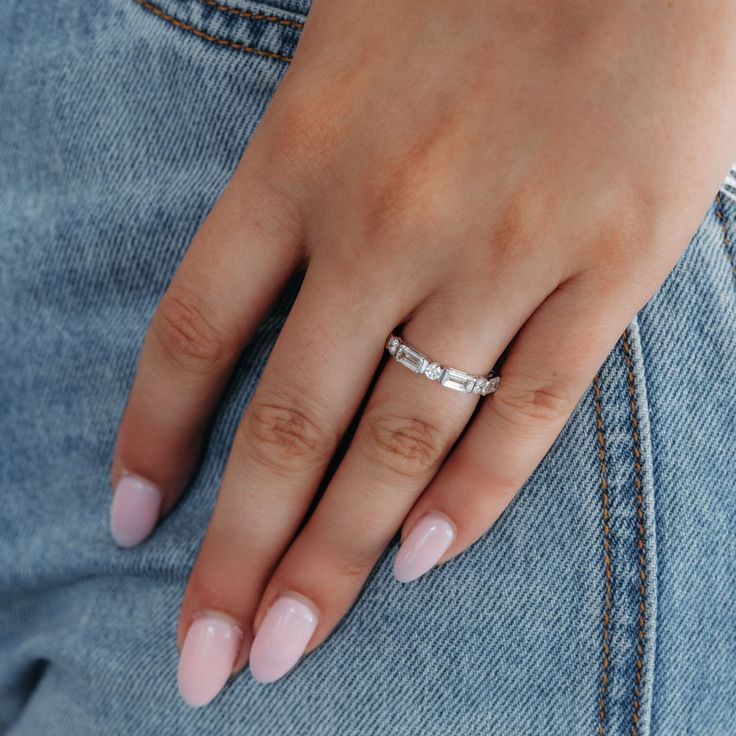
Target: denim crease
(601, 602)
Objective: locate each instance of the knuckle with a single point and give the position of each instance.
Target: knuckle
(304, 128)
(616, 237)
(186, 335)
(354, 563)
(513, 234)
(402, 445)
(512, 226)
(524, 402)
(283, 436)
(400, 205)
(494, 480)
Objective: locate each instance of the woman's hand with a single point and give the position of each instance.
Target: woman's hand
(482, 172)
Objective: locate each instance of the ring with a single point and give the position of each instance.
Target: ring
(452, 378)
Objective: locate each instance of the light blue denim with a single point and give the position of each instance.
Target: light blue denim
(602, 602)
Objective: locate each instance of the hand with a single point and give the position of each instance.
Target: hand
(485, 174)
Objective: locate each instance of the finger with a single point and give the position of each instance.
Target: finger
(406, 430)
(237, 263)
(317, 373)
(551, 362)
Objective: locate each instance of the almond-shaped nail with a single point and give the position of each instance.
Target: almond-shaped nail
(423, 547)
(136, 504)
(282, 638)
(207, 658)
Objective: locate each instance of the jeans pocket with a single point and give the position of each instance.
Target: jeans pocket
(688, 344)
(243, 27)
(265, 7)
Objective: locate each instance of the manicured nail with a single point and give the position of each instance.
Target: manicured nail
(207, 658)
(282, 638)
(136, 504)
(425, 544)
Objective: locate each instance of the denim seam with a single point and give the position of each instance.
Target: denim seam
(226, 42)
(727, 246)
(648, 554)
(641, 541)
(253, 16)
(600, 432)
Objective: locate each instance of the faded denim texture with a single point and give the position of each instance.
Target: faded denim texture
(602, 602)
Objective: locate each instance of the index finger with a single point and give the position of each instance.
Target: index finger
(232, 272)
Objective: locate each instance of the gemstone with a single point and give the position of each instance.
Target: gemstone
(433, 371)
(393, 345)
(480, 385)
(457, 380)
(411, 358)
(492, 385)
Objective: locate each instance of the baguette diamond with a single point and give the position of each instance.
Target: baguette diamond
(411, 358)
(451, 378)
(457, 380)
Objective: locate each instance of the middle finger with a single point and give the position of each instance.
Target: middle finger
(312, 384)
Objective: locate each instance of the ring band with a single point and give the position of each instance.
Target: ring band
(452, 378)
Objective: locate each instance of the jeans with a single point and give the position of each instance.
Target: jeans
(601, 602)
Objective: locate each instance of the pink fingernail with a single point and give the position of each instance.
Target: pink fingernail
(136, 504)
(207, 659)
(425, 544)
(282, 638)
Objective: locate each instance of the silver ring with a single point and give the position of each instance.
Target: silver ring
(452, 378)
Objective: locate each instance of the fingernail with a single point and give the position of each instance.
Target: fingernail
(282, 638)
(207, 659)
(136, 504)
(425, 544)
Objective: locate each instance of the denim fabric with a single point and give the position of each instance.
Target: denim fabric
(602, 602)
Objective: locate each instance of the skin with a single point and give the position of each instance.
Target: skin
(490, 175)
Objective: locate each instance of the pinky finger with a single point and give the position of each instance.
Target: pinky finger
(553, 359)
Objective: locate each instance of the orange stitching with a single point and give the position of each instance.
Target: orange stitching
(206, 36)
(606, 550)
(253, 16)
(726, 239)
(641, 540)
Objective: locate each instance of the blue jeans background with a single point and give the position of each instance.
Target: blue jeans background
(602, 601)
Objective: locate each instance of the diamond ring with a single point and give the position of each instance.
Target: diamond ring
(452, 378)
